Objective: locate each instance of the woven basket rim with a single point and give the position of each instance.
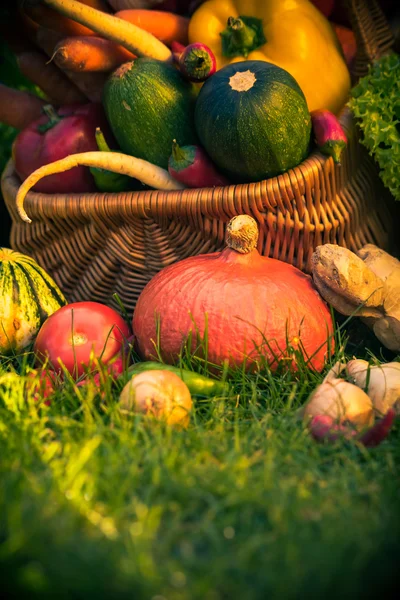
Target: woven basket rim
(315, 160)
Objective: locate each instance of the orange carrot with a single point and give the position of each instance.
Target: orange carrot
(131, 37)
(90, 84)
(83, 54)
(17, 108)
(36, 67)
(46, 17)
(166, 26)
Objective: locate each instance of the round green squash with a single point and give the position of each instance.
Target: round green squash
(148, 105)
(28, 296)
(252, 118)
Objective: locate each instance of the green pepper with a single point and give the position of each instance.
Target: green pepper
(107, 181)
(198, 385)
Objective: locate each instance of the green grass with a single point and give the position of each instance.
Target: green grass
(243, 504)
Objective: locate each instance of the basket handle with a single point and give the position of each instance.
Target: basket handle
(373, 34)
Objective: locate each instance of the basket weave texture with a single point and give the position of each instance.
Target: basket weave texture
(96, 245)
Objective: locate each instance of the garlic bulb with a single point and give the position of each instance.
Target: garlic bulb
(341, 401)
(383, 383)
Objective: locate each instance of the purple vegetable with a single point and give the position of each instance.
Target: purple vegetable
(196, 62)
(192, 166)
(376, 434)
(325, 428)
(328, 132)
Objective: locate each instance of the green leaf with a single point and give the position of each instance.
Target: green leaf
(376, 106)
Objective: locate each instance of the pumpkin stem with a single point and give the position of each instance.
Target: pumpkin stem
(242, 234)
(241, 36)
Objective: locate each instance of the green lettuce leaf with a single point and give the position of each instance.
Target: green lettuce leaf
(375, 102)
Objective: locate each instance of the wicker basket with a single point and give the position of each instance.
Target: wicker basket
(95, 245)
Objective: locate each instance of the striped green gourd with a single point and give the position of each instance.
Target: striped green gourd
(28, 296)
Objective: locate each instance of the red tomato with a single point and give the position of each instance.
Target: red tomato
(77, 333)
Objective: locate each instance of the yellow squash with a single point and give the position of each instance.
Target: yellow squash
(291, 34)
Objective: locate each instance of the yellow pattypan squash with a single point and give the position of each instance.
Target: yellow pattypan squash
(291, 34)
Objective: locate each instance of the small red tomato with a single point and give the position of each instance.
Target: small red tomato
(112, 371)
(77, 334)
(41, 384)
(117, 366)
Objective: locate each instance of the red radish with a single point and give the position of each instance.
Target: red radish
(196, 62)
(192, 166)
(325, 428)
(240, 303)
(376, 434)
(329, 135)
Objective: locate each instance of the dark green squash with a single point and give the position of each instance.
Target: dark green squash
(252, 118)
(148, 104)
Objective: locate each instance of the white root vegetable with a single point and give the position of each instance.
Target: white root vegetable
(366, 284)
(160, 394)
(379, 261)
(133, 38)
(341, 401)
(338, 409)
(146, 172)
(383, 383)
